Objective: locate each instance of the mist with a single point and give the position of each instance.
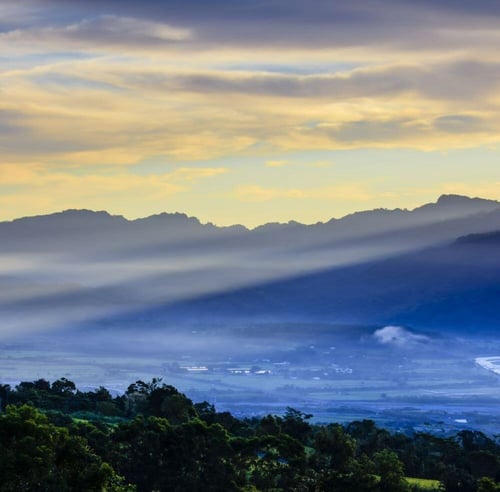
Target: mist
(353, 317)
(62, 270)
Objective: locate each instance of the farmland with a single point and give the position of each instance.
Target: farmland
(321, 370)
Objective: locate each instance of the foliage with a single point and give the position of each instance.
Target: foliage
(35, 455)
(55, 438)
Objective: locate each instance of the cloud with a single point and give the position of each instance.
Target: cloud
(321, 164)
(253, 193)
(194, 173)
(400, 24)
(126, 114)
(398, 336)
(356, 192)
(417, 131)
(100, 33)
(9, 122)
(19, 174)
(37, 174)
(461, 124)
(152, 90)
(98, 126)
(35, 188)
(390, 130)
(92, 88)
(277, 163)
(222, 32)
(448, 81)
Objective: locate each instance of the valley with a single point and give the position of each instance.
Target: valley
(335, 373)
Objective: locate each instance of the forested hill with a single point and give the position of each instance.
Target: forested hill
(56, 438)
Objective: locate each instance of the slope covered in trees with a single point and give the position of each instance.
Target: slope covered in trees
(54, 437)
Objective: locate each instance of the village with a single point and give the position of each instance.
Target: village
(263, 368)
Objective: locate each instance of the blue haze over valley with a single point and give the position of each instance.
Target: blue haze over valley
(386, 314)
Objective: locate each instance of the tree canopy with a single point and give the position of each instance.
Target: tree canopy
(54, 437)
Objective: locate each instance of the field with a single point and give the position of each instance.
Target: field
(424, 483)
(330, 372)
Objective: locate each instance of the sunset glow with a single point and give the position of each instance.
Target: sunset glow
(246, 112)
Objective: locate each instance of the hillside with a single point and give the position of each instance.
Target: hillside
(373, 267)
(454, 287)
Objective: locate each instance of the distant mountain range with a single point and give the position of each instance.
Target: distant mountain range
(437, 266)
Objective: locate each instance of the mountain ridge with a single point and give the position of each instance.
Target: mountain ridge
(74, 265)
(444, 201)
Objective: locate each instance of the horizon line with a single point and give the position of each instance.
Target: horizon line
(239, 225)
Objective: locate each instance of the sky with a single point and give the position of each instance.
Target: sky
(246, 112)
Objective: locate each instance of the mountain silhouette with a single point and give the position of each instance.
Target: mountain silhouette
(398, 266)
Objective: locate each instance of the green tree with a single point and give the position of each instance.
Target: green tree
(390, 470)
(35, 455)
(63, 386)
(334, 449)
(160, 400)
(156, 455)
(295, 423)
(486, 484)
(335, 463)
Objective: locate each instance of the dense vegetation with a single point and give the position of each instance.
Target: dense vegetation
(54, 437)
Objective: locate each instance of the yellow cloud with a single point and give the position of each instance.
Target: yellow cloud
(346, 192)
(39, 189)
(277, 163)
(351, 192)
(116, 113)
(146, 90)
(193, 173)
(321, 164)
(253, 193)
(49, 192)
(18, 174)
